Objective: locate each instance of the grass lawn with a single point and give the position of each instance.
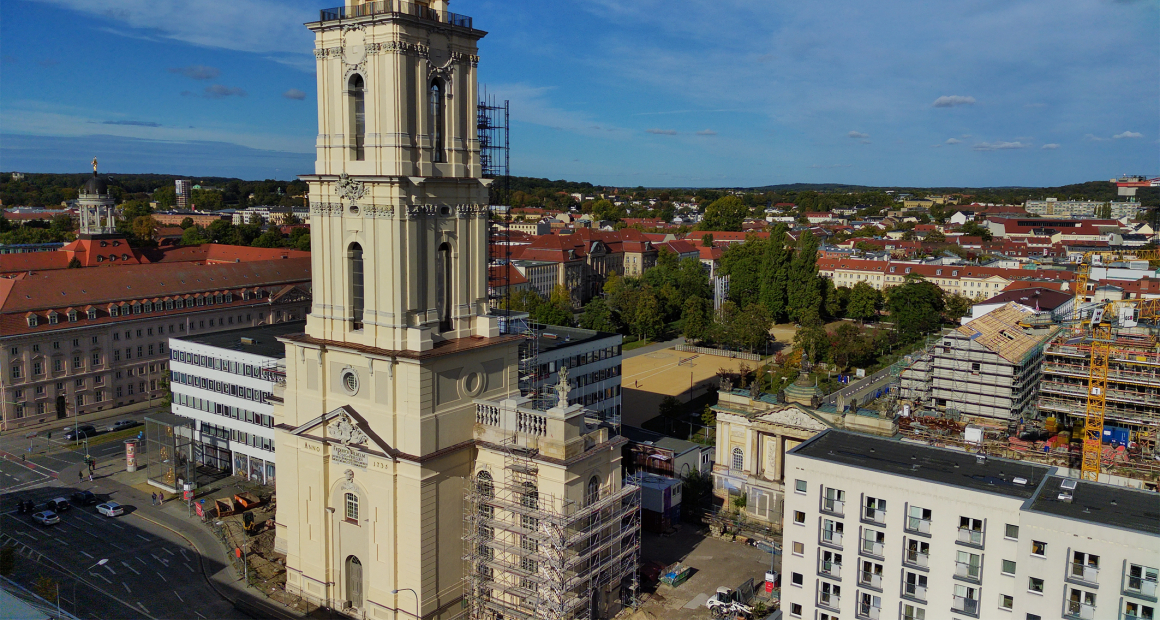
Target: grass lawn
(128, 433)
(635, 345)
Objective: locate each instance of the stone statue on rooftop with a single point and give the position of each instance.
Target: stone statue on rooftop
(562, 388)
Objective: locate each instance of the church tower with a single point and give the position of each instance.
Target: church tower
(376, 418)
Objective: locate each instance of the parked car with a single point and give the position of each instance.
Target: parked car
(110, 509)
(83, 431)
(121, 425)
(46, 517)
(84, 498)
(57, 504)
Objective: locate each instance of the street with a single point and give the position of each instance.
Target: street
(150, 571)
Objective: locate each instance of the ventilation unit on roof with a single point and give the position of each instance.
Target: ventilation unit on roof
(1069, 484)
(1020, 481)
(246, 340)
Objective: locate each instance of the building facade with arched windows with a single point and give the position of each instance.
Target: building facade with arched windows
(378, 434)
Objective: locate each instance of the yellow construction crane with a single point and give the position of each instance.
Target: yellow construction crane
(1100, 326)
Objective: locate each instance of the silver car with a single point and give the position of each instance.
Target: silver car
(110, 509)
(46, 517)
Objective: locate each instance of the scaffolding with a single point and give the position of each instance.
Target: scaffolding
(533, 556)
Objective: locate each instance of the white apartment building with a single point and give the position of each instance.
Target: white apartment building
(224, 382)
(593, 362)
(877, 528)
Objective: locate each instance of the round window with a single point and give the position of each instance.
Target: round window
(350, 381)
(354, 209)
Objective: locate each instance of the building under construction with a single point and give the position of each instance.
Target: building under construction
(1132, 413)
(550, 529)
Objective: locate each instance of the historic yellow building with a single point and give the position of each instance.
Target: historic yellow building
(378, 423)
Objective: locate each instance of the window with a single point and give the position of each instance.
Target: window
(799, 548)
(799, 517)
(1081, 603)
(834, 501)
(1134, 611)
(14, 351)
(1011, 532)
(832, 531)
(1035, 584)
(873, 541)
(917, 552)
(1085, 566)
(435, 102)
(96, 359)
(356, 96)
(830, 594)
(970, 531)
(16, 371)
(1006, 601)
(355, 268)
(738, 459)
(1038, 548)
(351, 503)
(966, 599)
(1142, 579)
(910, 612)
(37, 368)
(796, 579)
(875, 510)
(918, 520)
(57, 365)
(1008, 567)
(968, 565)
(795, 609)
(915, 586)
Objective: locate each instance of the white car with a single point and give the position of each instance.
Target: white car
(110, 509)
(46, 517)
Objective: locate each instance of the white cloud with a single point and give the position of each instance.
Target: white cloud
(1050, 146)
(217, 91)
(661, 132)
(858, 135)
(952, 141)
(1128, 134)
(950, 101)
(999, 146)
(294, 93)
(706, 132)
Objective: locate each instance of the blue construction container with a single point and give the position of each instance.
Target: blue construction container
(1116, 435)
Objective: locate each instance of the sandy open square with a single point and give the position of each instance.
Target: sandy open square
(650, 377)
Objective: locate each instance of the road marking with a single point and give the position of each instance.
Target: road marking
(142, 538)
(183, 554)
(116, 545)
(167, 551)
(89, 556)
(126, 587)
(126, 565)
(190, 568)
(102, 577)
(162, 560)
(162, 577)
(146, 608)
(110, 569)
(200, 616)
(178, 596)
(138, 558)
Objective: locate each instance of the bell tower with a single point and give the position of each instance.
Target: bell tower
(398, 211)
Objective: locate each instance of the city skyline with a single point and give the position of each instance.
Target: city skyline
(622, 95)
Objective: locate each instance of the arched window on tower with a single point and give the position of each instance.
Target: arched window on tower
(356, 94)
(435, 117)
(354, 257)
(443, 286)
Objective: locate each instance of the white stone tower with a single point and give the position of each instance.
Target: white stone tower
(377, 413)
(96, 206)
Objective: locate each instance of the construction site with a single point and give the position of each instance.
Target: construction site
(530, 555)
(1094, 383)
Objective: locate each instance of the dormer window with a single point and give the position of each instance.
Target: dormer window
(52, 317)
(92, 313)
(908, 270)
(113, 311)
(938, 272)
(100, 259)
(72, 316)
(32, 320)
(179, 303)
(147, 306)
(136, 308)
(955, 272)
(168, 304)
(892, 270)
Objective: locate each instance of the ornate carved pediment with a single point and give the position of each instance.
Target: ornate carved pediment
(793, 417)
(344, 429)
(349, 188)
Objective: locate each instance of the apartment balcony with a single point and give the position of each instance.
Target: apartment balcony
(967, 571)
(1084, 573)
(865, 610)
(825, 599)
(873, 515)
(914, 591)
(916, 558)
(965, 605)
(921, 526)
(1139, 586)
(1083, 611)
(870, 580)
(872, 547)
(835, 507)
(832, 538)
(1134, 616)
(971, 537)
(829, 569)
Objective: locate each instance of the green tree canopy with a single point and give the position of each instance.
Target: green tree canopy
(598, 316)
(725, 213)
(186, 222)
(865, 301)
(915, 308)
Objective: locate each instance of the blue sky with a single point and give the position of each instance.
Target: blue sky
(647, 92)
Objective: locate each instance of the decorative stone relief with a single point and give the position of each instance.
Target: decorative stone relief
(349, 188)
(344, 430)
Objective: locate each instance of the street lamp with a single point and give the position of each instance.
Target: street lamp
(417, 611)
(100, 562)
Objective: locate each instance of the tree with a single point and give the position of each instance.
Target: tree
(133, 209)
(272, 238)
(975, 230)
(935, 236)
(194, 235)
(143, 228)
(186, 222)
(832, 301)
(774, 274)
(707, 240)
(291, 220)
(957, 306)
(165, 196)
(804, 287)
(696, 318)
(813, 340)
(61, 223)
(206, 199)
(525, 300)
(302, 243)
(74, 263)
(915, 308)
(725, 213)
(752, 328)
(604, 210)
(557, 310)
(598, 316)
(646, 319)
(864, 303)
(671, 408)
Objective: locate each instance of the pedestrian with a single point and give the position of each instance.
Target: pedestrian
(154, 499)
(80, 476)
(160, 498)
(90, 476)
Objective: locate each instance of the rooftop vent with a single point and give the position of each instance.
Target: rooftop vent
(1069, 484)
(1020, 480)
(247, 340)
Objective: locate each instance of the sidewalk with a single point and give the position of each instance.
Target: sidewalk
(173, 515)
